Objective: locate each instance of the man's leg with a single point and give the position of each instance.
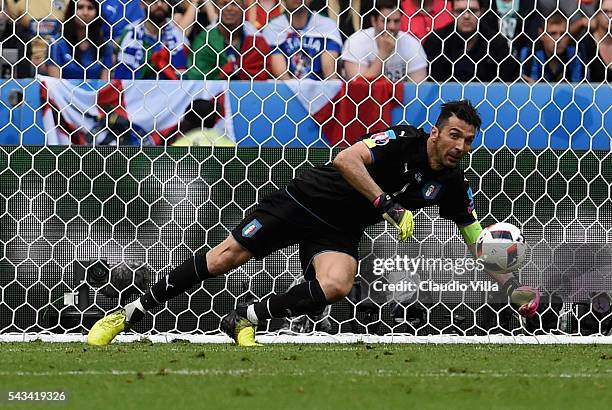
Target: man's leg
(334, 277)
(219, 260)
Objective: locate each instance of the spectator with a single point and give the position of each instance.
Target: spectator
(553, 58)
(421, 17)
(260, 12)
(14, 63)
(206, 15)
(119, 13)
(80, 52)
(579, 13)
(384, 49)
(230, 49)
(516, 20)
(304, 44)
(42, 20)
(467, 54)
(596, 47)
(155, 47)
(5, 20)
(348, 14)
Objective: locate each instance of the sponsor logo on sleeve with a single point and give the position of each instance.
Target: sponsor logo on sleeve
(251, 229)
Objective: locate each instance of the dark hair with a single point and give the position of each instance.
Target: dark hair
(462, 109)
(386, 4)
(556, 18)
(94, 29)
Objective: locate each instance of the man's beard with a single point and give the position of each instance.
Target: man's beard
(466, 34)
(159, 18)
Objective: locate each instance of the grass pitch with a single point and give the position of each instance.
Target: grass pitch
(211, 376)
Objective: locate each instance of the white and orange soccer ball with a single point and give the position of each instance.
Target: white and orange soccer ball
(501, 248)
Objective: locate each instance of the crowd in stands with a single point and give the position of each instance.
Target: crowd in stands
(407, 40)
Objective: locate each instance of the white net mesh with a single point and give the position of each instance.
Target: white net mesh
(136, 133)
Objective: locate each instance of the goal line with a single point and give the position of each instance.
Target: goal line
(320, 337)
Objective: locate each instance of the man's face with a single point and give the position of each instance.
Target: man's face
(293, 5)
(466, 13)
(555, 39)
(451, 142)
(389, 19)
(604, 17)
(232, 13)
(156, 10)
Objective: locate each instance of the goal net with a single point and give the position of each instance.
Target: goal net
(106, 186)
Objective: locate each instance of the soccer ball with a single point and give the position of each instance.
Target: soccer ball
(501, 248)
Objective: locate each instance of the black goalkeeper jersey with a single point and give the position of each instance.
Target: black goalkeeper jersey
(400, 167)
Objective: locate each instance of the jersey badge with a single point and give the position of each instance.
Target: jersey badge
(431, 190)
(382, 138)
(251, 229)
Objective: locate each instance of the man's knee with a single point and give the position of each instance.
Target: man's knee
(336, 274)
(226, 256)
(336, 289)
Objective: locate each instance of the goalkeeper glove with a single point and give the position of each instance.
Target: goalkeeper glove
(526, 298)
(396, 215)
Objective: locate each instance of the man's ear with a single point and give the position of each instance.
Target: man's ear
(435, 132)
(373, 18)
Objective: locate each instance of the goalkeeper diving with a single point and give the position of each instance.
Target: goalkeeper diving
(325, 211)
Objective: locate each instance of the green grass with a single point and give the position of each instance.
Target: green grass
(211, 376)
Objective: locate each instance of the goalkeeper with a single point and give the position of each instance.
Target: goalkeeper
(325, 211)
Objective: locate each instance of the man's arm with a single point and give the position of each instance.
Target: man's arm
(328, 64)
(53, 71)
(373, 70)
(418, 76)
(186, 19)
(525, 298)
(351, 163)
(386, 47)
(278, 65)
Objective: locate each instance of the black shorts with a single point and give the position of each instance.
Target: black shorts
(280, 221)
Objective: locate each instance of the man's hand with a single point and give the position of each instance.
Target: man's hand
(396, 215)
(527, 299)
(386, 45)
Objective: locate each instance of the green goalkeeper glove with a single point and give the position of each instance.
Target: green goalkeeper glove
(396, 215)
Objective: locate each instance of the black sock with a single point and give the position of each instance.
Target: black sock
(191, 272)
(307, 297)
(510, 286)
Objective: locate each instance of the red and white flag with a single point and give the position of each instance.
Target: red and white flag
(147, 112)
(78, 114)
(348, 110)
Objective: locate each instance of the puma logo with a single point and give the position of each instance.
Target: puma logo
(168, 284)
